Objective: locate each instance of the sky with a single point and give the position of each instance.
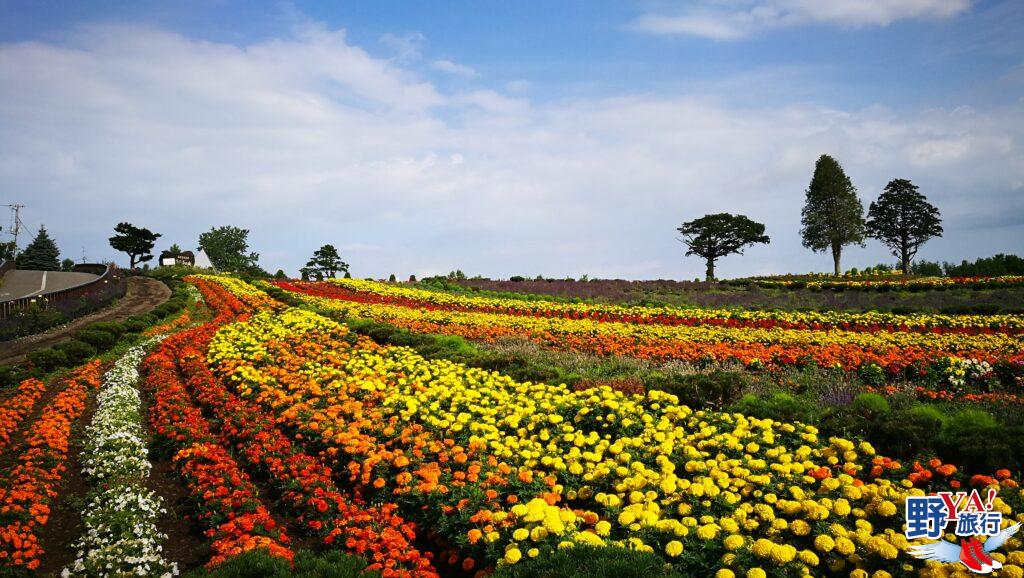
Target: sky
(558, 138)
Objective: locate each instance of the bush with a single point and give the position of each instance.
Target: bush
(112, 327)
(48, 359)
(259, 564)
(714, 390)
(870, 405)
(779, 406)
(590, 562)
(77, 351)
(906, 433)
(135, 325)
(101, 340)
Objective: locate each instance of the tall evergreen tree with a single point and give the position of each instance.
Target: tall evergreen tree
(833, 216)
(903, 219)
(41, 254)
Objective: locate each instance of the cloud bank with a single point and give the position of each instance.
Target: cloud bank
(310, 140)
(735, 19)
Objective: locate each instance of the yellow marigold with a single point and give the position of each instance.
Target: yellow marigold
(707, 532)
(824, 543)
(520, 534)
(513, 555)
(674, 548)
(733, 542)
(762, 547)
(880, 574)
(782, 554)
(887, 509)
(725, 573)
(800, 527)
(845, 546)
(756, 573)
(1011, 571)
(603, 528)
(808, 557)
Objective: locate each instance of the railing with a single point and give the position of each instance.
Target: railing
(93, 294)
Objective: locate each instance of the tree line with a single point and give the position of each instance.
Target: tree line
(832, 218)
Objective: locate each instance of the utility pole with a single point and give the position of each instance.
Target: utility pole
(16, 224)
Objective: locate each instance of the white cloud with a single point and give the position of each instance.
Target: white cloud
(734, 19)
(454, 68)
(312, 140)
(407, 47)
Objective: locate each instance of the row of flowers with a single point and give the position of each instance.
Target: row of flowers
(29, 488)
(873, 321)
(227, 500)
(913, 354)
(121, 536)
(17, 407)
(893, 282)
(508, 470)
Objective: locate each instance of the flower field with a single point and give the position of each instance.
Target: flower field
(290, 433)
(912, 345)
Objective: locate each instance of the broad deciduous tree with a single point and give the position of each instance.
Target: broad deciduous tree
(715, 236)
(903, 219)
(137, 242)
(228, 249)
(833, 215)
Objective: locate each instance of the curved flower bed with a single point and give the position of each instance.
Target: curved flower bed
(507, 470)
(28, 489)
(121, 536)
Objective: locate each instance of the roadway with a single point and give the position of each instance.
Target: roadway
(18, 284)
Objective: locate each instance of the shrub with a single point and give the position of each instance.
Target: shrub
(48, 359)
(714, 390)
(77, 351)
(589, 562)
(870, 405)
(112, 327)
(779, 406)
(259, 564)
(907, 432)
(101, 340)
(135, 325)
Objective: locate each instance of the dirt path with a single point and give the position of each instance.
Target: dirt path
(143, 295)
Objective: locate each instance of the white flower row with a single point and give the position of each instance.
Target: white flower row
(121, 535)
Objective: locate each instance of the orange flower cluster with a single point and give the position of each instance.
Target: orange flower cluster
(171, 326)
(30, 486)
(17, 407)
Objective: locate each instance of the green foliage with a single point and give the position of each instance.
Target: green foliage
(903, 220)
(41, 254)
(715, 236)
(870, 405)
(590, 562)
(713, 390)
(173, 272)
(833, 215)
(67, 265)
(136, 242)
(987, 267)
(48, 359)
(259, 564)
(6, 251)
(926, 268)
(779, 406)
(77, 351)
(280, 274)
(101, 340)
(228, 249)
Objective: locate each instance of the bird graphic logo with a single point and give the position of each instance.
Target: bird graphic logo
(971, 552)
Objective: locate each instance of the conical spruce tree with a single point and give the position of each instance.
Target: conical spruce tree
(41, 254)
(833, 215)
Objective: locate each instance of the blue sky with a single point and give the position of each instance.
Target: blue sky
(559, 138)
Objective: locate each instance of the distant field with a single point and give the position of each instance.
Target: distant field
(689, 293)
